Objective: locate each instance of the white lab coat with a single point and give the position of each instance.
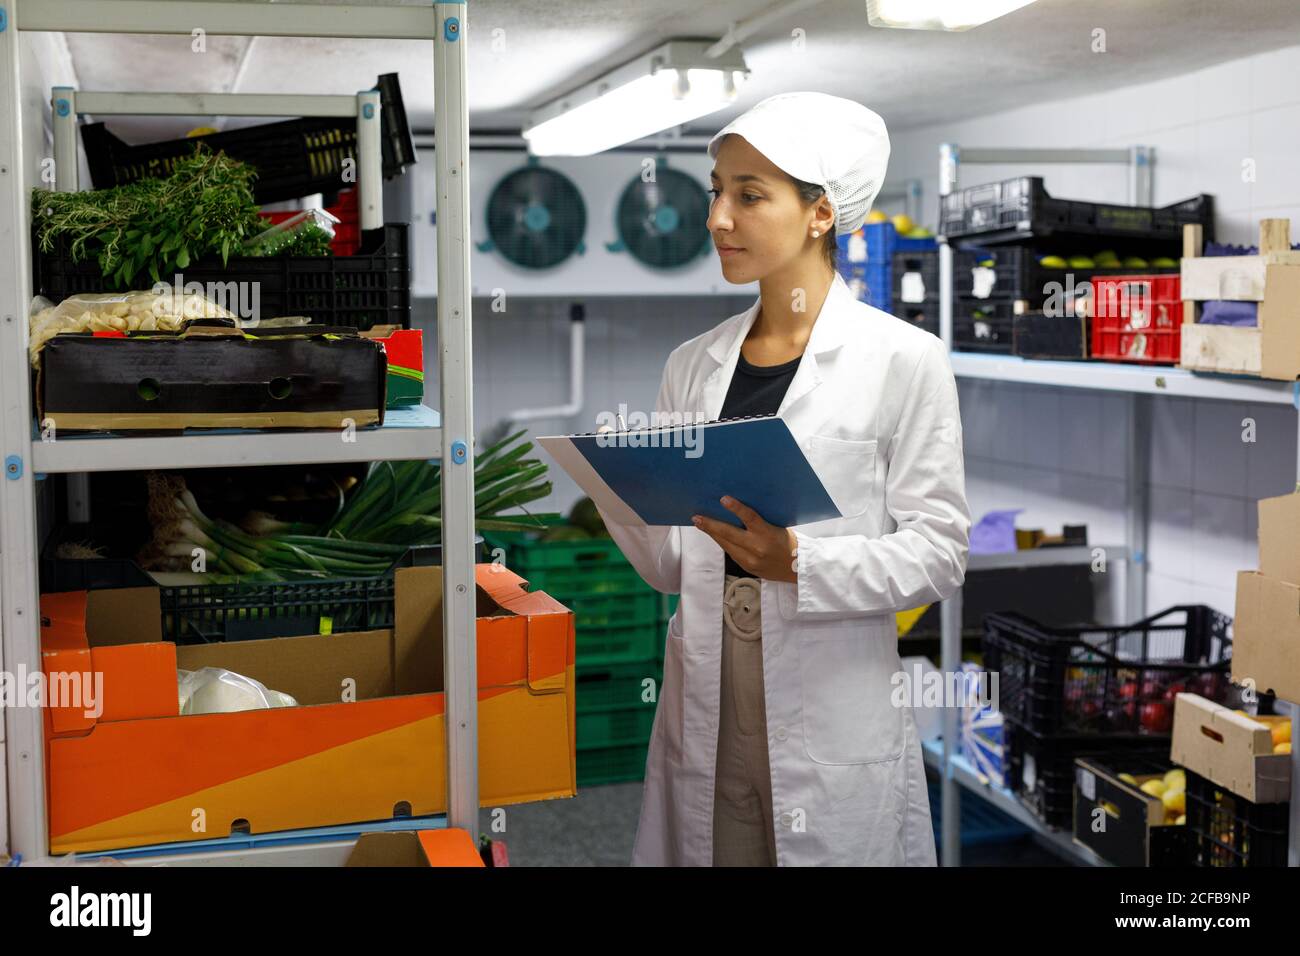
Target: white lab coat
(874, 406)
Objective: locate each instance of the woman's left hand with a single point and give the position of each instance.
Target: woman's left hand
(762, 549)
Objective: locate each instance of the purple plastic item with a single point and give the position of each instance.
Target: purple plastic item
(1245, 314)
(995, 533)
(1228, 249)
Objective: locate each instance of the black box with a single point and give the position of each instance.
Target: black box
(212, 376)
(1133, 831)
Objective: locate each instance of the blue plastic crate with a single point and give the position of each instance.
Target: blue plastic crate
(980, 822)
(875, 272)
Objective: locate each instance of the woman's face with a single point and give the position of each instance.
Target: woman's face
(758, 212)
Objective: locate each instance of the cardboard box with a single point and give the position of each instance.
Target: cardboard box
(1133, 831)
(1266, 634)
(1279, 538)
(449, 847)
(1230, 750)
(212, 376)
(138, 773)
(405, 351)
(1270, 349)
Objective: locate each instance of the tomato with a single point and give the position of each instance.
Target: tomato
(1156, 717)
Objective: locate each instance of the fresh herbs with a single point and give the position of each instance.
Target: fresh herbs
(156, 226)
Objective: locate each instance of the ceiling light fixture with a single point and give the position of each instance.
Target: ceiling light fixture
(672, 84)
(938, 14)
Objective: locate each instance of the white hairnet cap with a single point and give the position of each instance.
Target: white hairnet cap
(835, 143)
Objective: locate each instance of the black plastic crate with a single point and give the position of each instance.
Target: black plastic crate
(293, 158)
(925, 263)
(1016, 273)
(204, 613)
(1035, 335)
(983, 325)
(1107, 682)
(1040, 771)
(372, 287)
(1017, 209)
(1230, 831)
(924, 315)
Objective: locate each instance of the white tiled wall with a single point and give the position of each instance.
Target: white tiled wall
(1060, 455)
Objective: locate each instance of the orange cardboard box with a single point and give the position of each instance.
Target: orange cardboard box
(367, 741)
(424, 848)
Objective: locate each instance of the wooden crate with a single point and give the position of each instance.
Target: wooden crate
(1272, 278)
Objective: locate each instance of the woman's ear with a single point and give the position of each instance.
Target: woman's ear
(823, 215)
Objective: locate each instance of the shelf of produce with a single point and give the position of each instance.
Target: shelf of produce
(407, 433)
(1058, 841)
(1118, 377)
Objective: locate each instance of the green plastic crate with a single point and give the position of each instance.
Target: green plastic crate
(617, 686)
(615, 728)
(612, 610)
(616, 645)
(526, 553)
(585, 582)
(611, 765)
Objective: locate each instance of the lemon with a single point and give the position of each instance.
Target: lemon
(1282, 748)
(1175, 801)
(877, 216)
(1154, 788)
(903, 223)
(1176, 778)
(1128, 778)
(1182, 819)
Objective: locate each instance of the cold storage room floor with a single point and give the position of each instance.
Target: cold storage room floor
(598, 826)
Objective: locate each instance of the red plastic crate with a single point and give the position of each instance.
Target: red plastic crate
(1137, 319)
(347, 233)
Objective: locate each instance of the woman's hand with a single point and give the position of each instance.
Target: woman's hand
(762, 549)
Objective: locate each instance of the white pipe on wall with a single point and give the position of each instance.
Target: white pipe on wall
(577, 352)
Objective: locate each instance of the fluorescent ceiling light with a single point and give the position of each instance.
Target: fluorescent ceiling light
(938, 14)
(666, 87)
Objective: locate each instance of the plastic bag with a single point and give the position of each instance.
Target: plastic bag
(271, 241)
(164, 311)
(215, 690)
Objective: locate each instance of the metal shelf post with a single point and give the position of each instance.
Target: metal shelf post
(23, 821)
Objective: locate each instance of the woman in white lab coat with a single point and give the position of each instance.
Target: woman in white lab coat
(780, 737)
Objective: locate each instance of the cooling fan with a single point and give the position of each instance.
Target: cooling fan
(535, 217)
(663, 223)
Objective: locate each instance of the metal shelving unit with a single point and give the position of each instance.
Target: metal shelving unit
(1141, 383)
(420, 433)
(965, 775)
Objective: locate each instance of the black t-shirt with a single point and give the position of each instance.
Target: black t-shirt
(756, 390)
